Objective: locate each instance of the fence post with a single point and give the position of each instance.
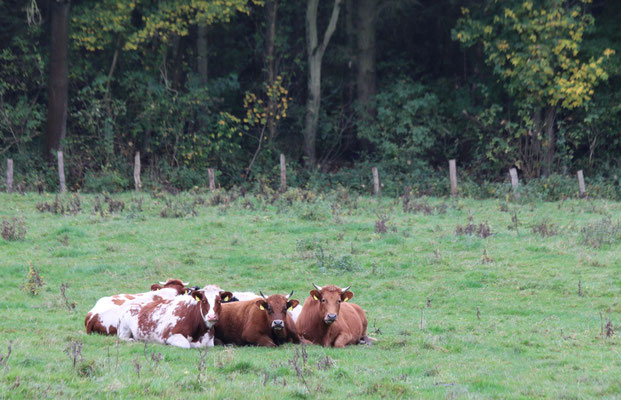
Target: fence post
(212, 179)
(376, 181)
(514, 182)
(9, 175)
(453, 177)
(61, 172)
(581, 183)
(137, 182)
(283, 173)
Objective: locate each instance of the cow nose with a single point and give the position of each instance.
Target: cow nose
(332, 317)
(278, 324)
(212, 317)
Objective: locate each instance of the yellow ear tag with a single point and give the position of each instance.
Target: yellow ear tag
(226, 298)
(315, 297)
(196, 298)
(346, 298)
(261, 308)
(290, 308)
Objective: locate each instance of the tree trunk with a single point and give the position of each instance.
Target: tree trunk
(271, 10)
(315, 51)
(366, 56)
(56, 129)
(549, 141)
(201, 50)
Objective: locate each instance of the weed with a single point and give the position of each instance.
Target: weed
(545, 229)
(178, 209)
(603, 232)
(114, 206)
(306, 247)
(13, 229)
(200, 371)
(137, 366)
(325, 363)
(34, 281)
(74, 351)
(63, 288)
(380, 224)
(4, 359)
(514, 222)
(481, 230)
(327, 261)
(485, 259)
(71, 207)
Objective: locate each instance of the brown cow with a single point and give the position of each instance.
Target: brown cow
(328, 320)
(264, 321)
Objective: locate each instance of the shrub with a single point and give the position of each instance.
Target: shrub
(34, 281)
(13, 229)
(105, 181)
(604, 232)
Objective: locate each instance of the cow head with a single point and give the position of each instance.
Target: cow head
(210, 303)
(330, 298)
(276, 307)
(172, 284)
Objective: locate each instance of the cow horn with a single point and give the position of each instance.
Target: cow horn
(317, 287)
(262, 295)
(162, 283)
(344, 290)
(290, 294)
(185, 283)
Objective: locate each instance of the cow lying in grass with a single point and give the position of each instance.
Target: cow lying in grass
(329, 320)
(104, 316)
(264, 322)
(185, 321)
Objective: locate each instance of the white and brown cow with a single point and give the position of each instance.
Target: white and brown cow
(104, 316)
(185, 321)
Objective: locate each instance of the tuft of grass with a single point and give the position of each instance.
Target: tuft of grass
(600, 233)
(13, 229)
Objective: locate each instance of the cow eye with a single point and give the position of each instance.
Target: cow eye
(323, 300)
(339, 301)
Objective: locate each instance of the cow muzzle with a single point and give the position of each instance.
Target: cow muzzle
(329, 319)
(278, 324)
(213, 318)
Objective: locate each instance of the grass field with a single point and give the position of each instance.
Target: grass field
(455, 315)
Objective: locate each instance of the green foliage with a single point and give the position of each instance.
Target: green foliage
(34, 281)
(534, 47)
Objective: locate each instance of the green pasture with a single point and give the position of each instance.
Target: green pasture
(455, 316)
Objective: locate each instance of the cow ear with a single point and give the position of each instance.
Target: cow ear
(315, 294)
(346, 296)
(291, 304)
(225, 296)
(261, 304)
(155, 287)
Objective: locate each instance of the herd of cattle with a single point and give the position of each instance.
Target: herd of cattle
(173, 313)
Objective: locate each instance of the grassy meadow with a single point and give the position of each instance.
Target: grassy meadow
(463, 304)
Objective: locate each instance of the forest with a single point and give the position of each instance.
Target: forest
(338, 86)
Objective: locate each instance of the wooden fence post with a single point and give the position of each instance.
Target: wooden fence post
(137, 181)
(514, 182)
(453, 177)
(283, 174)
(581, 183)
(9, 175)
(212, 179)
(61, 172)
(376, 181)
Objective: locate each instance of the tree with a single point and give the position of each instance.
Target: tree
(315, 51)
(58, 76)
(365, 34)
(534, 48)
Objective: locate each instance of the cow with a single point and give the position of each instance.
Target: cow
(329, 320)
(185, 321)
(104, 316)
(264, 321)
(243, 296)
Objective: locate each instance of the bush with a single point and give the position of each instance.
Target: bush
(105, 181)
